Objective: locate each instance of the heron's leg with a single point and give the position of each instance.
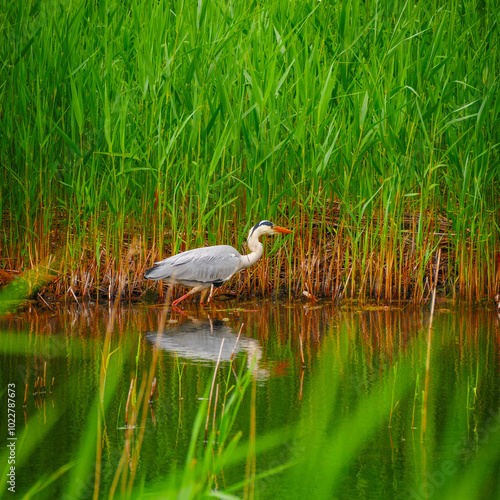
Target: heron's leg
(193, 290)
(212, 290)
(203, 295)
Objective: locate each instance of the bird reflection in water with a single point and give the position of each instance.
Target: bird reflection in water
(201, 340)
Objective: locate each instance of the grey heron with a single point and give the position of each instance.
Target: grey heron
(202, 268)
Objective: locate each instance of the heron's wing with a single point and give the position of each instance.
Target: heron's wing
(211, 265)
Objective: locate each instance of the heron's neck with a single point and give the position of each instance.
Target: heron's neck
(256, 249)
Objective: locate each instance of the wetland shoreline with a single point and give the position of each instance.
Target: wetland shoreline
(318, 261)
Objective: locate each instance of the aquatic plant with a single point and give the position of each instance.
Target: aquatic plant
(359, 425)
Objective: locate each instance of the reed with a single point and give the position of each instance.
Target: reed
(128, 134)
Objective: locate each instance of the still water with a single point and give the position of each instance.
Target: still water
(345, 401)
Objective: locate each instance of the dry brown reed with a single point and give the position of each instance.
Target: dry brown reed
(327, 257)
(327, 262)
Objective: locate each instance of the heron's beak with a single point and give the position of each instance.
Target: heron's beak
(282, 230)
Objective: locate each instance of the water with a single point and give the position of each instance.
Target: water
(341, 391)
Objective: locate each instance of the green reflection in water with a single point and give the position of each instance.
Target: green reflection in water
(347, 425)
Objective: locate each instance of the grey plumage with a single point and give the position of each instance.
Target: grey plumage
(211, 265)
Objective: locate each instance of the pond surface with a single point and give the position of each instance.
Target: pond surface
(344, 401)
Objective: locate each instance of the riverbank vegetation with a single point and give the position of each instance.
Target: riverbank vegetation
(371, 129)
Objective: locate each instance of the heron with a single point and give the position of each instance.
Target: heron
(208, 267)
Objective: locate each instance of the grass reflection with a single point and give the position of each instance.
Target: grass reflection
(347, 425)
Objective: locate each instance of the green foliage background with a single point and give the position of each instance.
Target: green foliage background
(181, 122)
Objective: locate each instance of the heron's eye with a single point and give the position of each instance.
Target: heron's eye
(266, 223)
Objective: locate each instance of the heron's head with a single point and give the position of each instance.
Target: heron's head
(266, 227)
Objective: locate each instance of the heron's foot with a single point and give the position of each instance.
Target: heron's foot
(178, 310)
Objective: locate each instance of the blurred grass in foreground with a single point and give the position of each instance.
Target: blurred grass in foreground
(365, 399)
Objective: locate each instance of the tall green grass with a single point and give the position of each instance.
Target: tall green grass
(130, 132)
